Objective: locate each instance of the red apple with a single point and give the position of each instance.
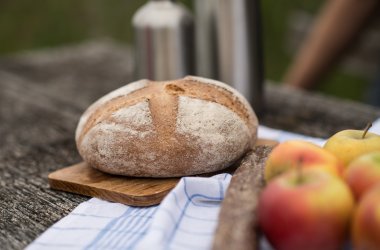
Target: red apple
(295, 153)
(363, 173)
(308, 211)
(366, 222)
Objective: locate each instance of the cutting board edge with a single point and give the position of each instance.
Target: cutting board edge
(113, 196)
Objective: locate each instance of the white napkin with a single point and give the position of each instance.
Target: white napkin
(186, 219)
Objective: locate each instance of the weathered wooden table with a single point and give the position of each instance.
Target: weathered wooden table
(42, 95)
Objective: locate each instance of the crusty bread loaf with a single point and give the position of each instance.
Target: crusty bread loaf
(165, 129)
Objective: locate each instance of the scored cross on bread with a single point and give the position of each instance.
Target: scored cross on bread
(164, 129)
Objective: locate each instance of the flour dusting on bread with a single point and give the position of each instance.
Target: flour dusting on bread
(166, 129)
(134, 116)
(220, 133)
(125, 90)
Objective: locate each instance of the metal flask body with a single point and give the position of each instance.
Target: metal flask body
(231, 32)
(164, 46)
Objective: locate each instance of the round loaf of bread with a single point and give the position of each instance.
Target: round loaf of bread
(166, 129)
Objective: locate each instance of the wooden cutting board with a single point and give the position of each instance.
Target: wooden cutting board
(85, 180)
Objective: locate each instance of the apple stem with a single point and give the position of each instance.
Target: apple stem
(369, 125)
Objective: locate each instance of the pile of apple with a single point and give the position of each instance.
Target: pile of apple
(322, 197)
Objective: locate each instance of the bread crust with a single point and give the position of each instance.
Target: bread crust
(166, 129)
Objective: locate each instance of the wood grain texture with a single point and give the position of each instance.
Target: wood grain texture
(237, 226)
(82, 179)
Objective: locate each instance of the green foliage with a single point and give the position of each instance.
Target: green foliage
(26, 24)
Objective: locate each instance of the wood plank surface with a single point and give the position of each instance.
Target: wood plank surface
(237, 226)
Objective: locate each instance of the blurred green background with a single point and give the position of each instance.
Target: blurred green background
(26, 25)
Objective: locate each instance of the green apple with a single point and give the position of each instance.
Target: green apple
(350, 144)
(305, 210)
(363, 173)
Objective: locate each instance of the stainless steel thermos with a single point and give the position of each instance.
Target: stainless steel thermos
(231, 31)
(164, 40)
(227, 43)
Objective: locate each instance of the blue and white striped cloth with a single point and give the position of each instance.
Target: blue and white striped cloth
(186, 219)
